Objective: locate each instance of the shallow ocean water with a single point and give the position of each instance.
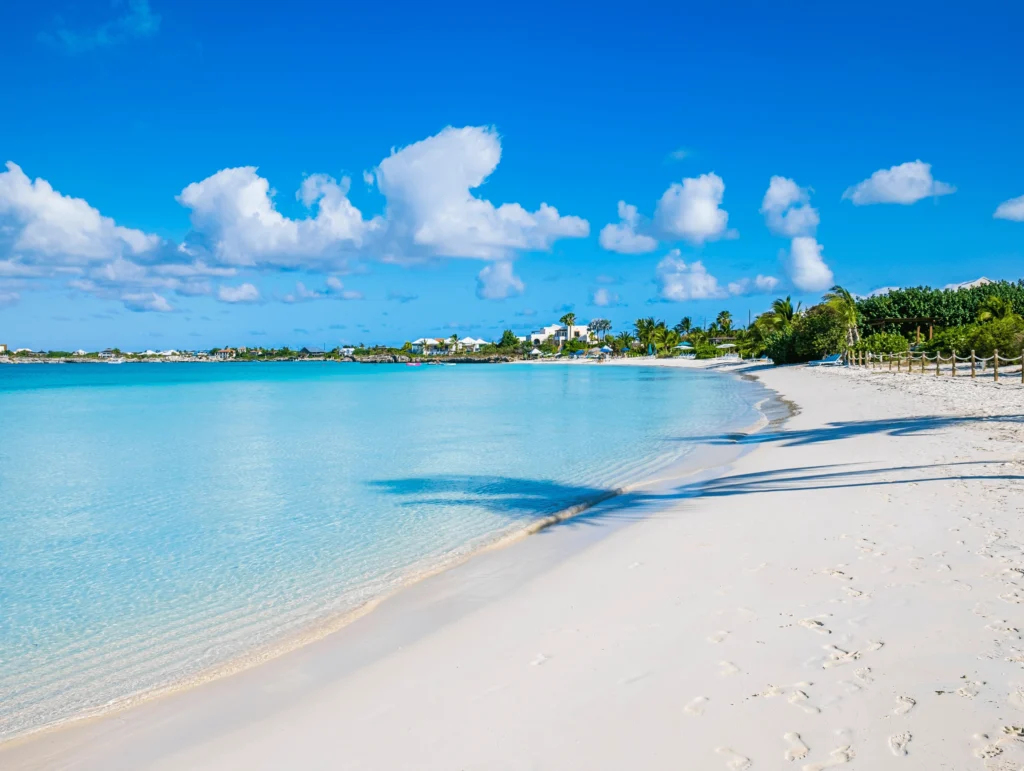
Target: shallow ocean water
(158, 521)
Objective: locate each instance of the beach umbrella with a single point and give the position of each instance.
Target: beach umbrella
(535, 352)
(684, 345)
(606, 349)
(725, 345)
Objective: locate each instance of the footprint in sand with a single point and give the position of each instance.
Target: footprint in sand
(903, 705)
(864, 675)
(540, 659)
(696, 707)
(1016, 697)
(797, 749)
(728, 668)
(814, 625)
(839, 574)
(969, 690)
(718, 637)
(801, 700)
(837, 757)
(736, 761)
(898, 743)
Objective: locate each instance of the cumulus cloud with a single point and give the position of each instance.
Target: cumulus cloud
(787, 210)
(805, 265)
(234, 218)
(243, 293)
(335, 290)
(604, 298)
(431, 212)
(146, 301)
(497, 281)
(692, 210)
(623, 237)
(1011, 210)
(679, 281)
(44, 227)
(431, 207)
(8, 298)
(757, 285)
(904, 184)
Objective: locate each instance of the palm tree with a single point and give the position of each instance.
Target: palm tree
(993, 308)
(569, 320)
(600, 327)
(623, 341)
(684, 326)
(453, 342)
(842, 302)
(724, 321)
(784, 311)
(665, 339)
(644, 329)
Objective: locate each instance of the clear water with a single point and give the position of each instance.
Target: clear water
(157, 521)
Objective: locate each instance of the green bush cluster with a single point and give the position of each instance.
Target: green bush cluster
(883, 342)
(946, 307)
(813, 335)
(1005, 335)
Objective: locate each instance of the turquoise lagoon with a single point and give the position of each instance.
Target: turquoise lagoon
(160, 521)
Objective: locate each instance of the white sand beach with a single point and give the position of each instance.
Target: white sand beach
(850, 593)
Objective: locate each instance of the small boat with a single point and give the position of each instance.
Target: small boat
(447, 363)
(115, 361)
(413, 364)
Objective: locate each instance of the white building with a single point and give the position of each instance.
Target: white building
(471, 344)
(558, 334)
(429, 346)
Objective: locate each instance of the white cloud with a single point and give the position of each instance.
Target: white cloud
(146, 301)
(234, 217)
(787, 210)
(8, 298)
(497, 281)
(243, 293)
(431, 211)
(805, 265)
(1011, 210)
(680, 154)
(691, 210)
(44, 227)
(881, 291)
(678, 281)
(431, 208)
(757, 285)
(604, 298)
(904, 184)
(335, 290)
(623, 237)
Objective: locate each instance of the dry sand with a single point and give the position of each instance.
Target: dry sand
(849, 594)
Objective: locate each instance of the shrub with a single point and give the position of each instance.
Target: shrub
(705, 349)
(1006, 335)
(883, 342)
(780, 346)
(819, 332)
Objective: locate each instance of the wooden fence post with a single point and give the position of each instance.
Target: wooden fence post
(923, 359)
(890, 362)
(938, 361)
(972, 363)
(953, 357)
(899, 363)
(995, 365)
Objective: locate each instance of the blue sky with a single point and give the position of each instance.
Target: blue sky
(114, 109)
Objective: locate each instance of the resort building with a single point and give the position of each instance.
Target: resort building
(428, 346)
(107, 354)
(558, 334)
(3, 349)
(470, 344)
(224, 354)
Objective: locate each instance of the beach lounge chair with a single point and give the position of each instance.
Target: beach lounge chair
(835, 360)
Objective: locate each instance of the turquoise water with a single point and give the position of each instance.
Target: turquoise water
(157, 521)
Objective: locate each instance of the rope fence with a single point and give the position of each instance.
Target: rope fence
(953, 365)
